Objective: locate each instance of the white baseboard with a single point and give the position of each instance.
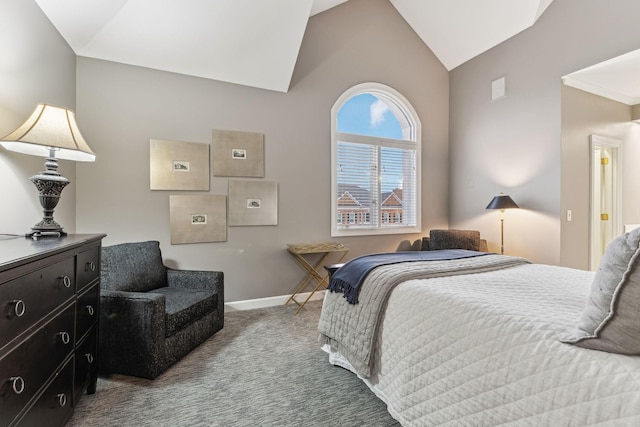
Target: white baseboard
(270, 301)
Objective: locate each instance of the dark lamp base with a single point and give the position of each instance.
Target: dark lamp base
(49, 184)
(36, 234)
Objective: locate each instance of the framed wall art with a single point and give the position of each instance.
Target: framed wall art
(176, 165)
(198, 218)
(237, 153)
(253, 202)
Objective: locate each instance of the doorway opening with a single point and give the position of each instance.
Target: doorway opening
(606, 202)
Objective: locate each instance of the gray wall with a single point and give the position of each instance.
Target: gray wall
(36, 66)
(514, 144)
(585, 114)
(122, 107)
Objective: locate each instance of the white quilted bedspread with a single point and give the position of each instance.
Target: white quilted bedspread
(484, 350)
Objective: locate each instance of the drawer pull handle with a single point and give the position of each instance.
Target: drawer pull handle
(64, 336)
(90, 266)
(62, 399)
(17, 383)
(19, 308)
(66, 281)
(90, 310)
(89, 357)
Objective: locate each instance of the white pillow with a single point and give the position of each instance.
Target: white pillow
(611, 320)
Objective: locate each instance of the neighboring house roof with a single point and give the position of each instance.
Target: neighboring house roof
(348, 200)
(392, 198)
(359, 194)
(356, 196)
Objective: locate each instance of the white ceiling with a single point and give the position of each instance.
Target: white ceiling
(256, 42)
(617, 78)
(458, 30)
(248, 42)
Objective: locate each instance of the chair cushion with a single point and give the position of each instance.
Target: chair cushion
(133, 267)
(454, 239)
(184, 306)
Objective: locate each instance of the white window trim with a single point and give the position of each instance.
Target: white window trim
(411, 130)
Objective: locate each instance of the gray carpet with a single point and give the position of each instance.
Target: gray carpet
(264, 369)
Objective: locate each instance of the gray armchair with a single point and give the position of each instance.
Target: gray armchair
(454, 239)
(151, 315)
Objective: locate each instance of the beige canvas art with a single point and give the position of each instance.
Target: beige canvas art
(198, 218)
(253, 202)
(176, 165)
(237, 153)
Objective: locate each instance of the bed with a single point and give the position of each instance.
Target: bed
(494, 340)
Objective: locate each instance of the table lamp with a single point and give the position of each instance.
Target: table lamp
(502, 202)
(50, 132)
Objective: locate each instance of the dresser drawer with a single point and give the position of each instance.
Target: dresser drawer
(24, 370)
(46, 288)
(54, 406)
(88, 267)
(87, 310)
(86, 364)
(27, 299)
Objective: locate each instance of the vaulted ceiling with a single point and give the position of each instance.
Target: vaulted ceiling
(256, 42)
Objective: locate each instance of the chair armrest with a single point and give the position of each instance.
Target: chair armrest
(425, 244)
(132, 320)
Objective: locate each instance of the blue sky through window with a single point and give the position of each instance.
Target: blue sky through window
(367, 115)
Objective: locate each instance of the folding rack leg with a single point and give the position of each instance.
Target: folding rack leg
(312, 272)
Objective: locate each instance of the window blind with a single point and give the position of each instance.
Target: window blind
(376, 182)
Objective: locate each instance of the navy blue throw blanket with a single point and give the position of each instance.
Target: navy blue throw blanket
(349, 277)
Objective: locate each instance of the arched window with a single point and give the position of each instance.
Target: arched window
(375, 162)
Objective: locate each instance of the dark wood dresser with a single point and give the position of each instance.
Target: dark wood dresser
(49, 297)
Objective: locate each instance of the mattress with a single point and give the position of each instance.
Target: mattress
(484, 349)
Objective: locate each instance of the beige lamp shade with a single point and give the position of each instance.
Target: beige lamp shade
(49, 128)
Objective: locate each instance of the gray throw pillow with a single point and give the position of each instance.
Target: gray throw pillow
(611, 320)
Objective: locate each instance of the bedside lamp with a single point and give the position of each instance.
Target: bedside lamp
(502, 202)
(50, 132)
